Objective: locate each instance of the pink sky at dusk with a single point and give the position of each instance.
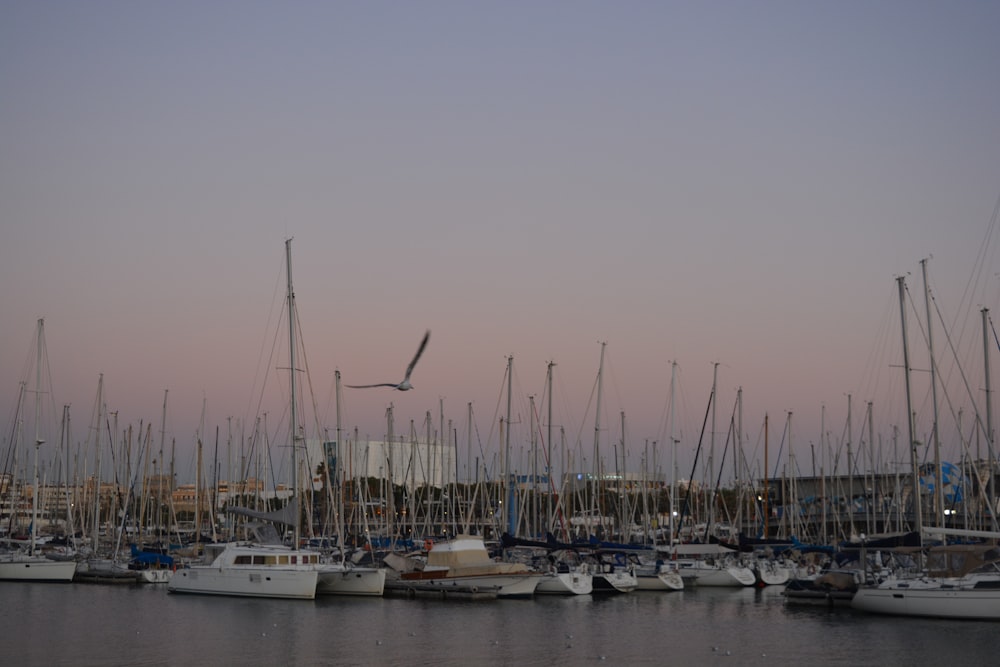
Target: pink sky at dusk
(731, 183)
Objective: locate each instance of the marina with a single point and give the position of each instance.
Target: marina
(144, 625)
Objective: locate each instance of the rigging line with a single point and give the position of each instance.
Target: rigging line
(278, 288)
(309, 383)
(965, 381)
(694, 466)
(980, 262)
(781, 448)
(995, 338)
(718, 480)
(496, 412)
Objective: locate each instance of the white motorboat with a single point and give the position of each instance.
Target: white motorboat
(250, 570)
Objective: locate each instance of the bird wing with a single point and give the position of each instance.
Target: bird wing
(369, 386)
(420, 350)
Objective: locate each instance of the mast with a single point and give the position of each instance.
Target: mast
(65, 440)
(548, 448)
(793, 477)
(387, 452)
(822, 472)
(850, 469)
(909, 411)
(873, 470)
(739, 459)
(709, 487)
(938, 474)
(597, 440)
(624, 504)
(97, 469)
(989, 399)
(334, 477)
(296, 531)
(468, 467)
(38, 433)
(508, 516)
(767, 491)
(673, 451)
(534, 520)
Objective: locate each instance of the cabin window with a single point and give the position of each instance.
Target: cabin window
(283, 560)
(242, 560)
(258, 560)
(271, 560)
(295, 559)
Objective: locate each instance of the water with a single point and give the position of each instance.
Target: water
(81, 624)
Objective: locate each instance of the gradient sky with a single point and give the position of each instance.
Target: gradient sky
(705, 182)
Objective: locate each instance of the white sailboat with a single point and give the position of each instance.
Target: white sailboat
(711, 565)
(658, 576)
(958, 581)
(573, 581)
(30, 566)
(246, 569)
(260, 569)
(961, 581)
(565, 574)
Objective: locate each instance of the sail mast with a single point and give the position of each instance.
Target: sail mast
(938, 490)
(548, 448)
(508, 517)
(595, 504)
(291, 372)
(38, 435)
(991, 492)
(97, 468)
(909, 411)
(673, 452)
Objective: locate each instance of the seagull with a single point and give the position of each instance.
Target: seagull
(405, 384)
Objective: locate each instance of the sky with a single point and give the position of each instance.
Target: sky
(733, 187)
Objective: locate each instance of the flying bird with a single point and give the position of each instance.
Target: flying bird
(405, 384)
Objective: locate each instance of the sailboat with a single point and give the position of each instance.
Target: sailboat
(30, 566)
(960, 581)
(265, 567)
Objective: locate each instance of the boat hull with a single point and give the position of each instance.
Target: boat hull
(565, 583)
(699, 574)
(615, 582)
(37, 569)
(937, 602)
(155, 576)
(337, 580)
(660, 581)
(245, 582)
(514, 585)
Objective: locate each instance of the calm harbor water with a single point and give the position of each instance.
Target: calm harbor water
(81, 624)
